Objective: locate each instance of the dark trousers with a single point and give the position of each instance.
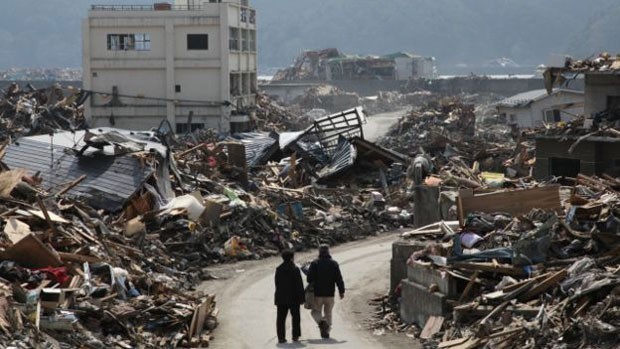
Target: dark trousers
(281, 320)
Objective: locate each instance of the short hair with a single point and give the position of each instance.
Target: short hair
(323, 249)
(287, 255)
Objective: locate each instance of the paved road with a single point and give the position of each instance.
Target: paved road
(247, 315)
(379, 124)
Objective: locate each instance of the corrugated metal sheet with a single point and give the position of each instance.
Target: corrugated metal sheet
(259, 147)
(343, 158)
(110, 180)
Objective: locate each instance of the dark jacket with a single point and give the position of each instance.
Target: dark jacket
(289, 285)
(324, 273)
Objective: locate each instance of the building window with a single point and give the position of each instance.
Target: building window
(246, 89)
(177, 88)
(253, 16)
(129, 42)
(252, 38)
(563, 167)
(245, 40)
(613, 102)
(253, 83)
(235, 85)
(552, 115)
(185, 128)
(197, 41)
(233, 41)
(512, 118)
(244, 15)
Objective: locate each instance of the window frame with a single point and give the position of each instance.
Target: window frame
(128, 42)
(233, 40)
(194, 39)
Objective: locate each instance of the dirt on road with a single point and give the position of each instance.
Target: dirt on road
(247, 317)
(379, 124)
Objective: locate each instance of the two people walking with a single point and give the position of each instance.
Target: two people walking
(323, 276)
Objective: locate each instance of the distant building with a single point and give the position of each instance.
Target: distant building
(332, 65)
(414, 67)
(149, 63)
(535, 108)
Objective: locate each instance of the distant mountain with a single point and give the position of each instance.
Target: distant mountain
(456, 32)
(47, 33)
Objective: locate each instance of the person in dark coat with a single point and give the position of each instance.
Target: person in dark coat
(289, 296)
(324, 273)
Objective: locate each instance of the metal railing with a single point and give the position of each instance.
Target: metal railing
(145, 8)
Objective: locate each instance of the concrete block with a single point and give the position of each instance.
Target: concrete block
(425, 275)
(401, 251)
(426, 209)
(417, 304)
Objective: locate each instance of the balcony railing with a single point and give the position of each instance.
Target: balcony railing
(145, 7)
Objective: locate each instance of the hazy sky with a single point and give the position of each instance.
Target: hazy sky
(46, 33)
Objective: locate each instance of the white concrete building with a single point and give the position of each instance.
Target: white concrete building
(534, 108)
(415, 67)
(149, 63)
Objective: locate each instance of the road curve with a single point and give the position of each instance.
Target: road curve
(245, 297)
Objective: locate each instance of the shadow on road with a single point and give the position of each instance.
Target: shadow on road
(330, 341)
(291, 345)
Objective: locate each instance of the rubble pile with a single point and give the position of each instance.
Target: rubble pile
(270, 116)
(104, 233)
(327, 97)
(309, 65)
(544, 275)
(32, 111)
(388, 101)
(70, 276)
(446, 130)
(386, 318)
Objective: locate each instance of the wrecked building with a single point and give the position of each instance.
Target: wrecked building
(193, 64)
(602, 82)
(562, 156)
(332, 65)
(588, 145)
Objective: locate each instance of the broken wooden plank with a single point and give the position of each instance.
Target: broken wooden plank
(515, 202)
(544, 285)
(432, 326)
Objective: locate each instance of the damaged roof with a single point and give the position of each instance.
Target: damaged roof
(109, 182)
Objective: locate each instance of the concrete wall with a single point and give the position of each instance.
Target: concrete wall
(401, 251)
(600, 86)
(418, 303)
(595, 157)
(452, 86)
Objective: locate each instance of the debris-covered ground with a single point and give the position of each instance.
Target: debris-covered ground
(526, 264)
(105, 233)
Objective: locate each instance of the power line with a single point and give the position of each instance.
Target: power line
(161, 99)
